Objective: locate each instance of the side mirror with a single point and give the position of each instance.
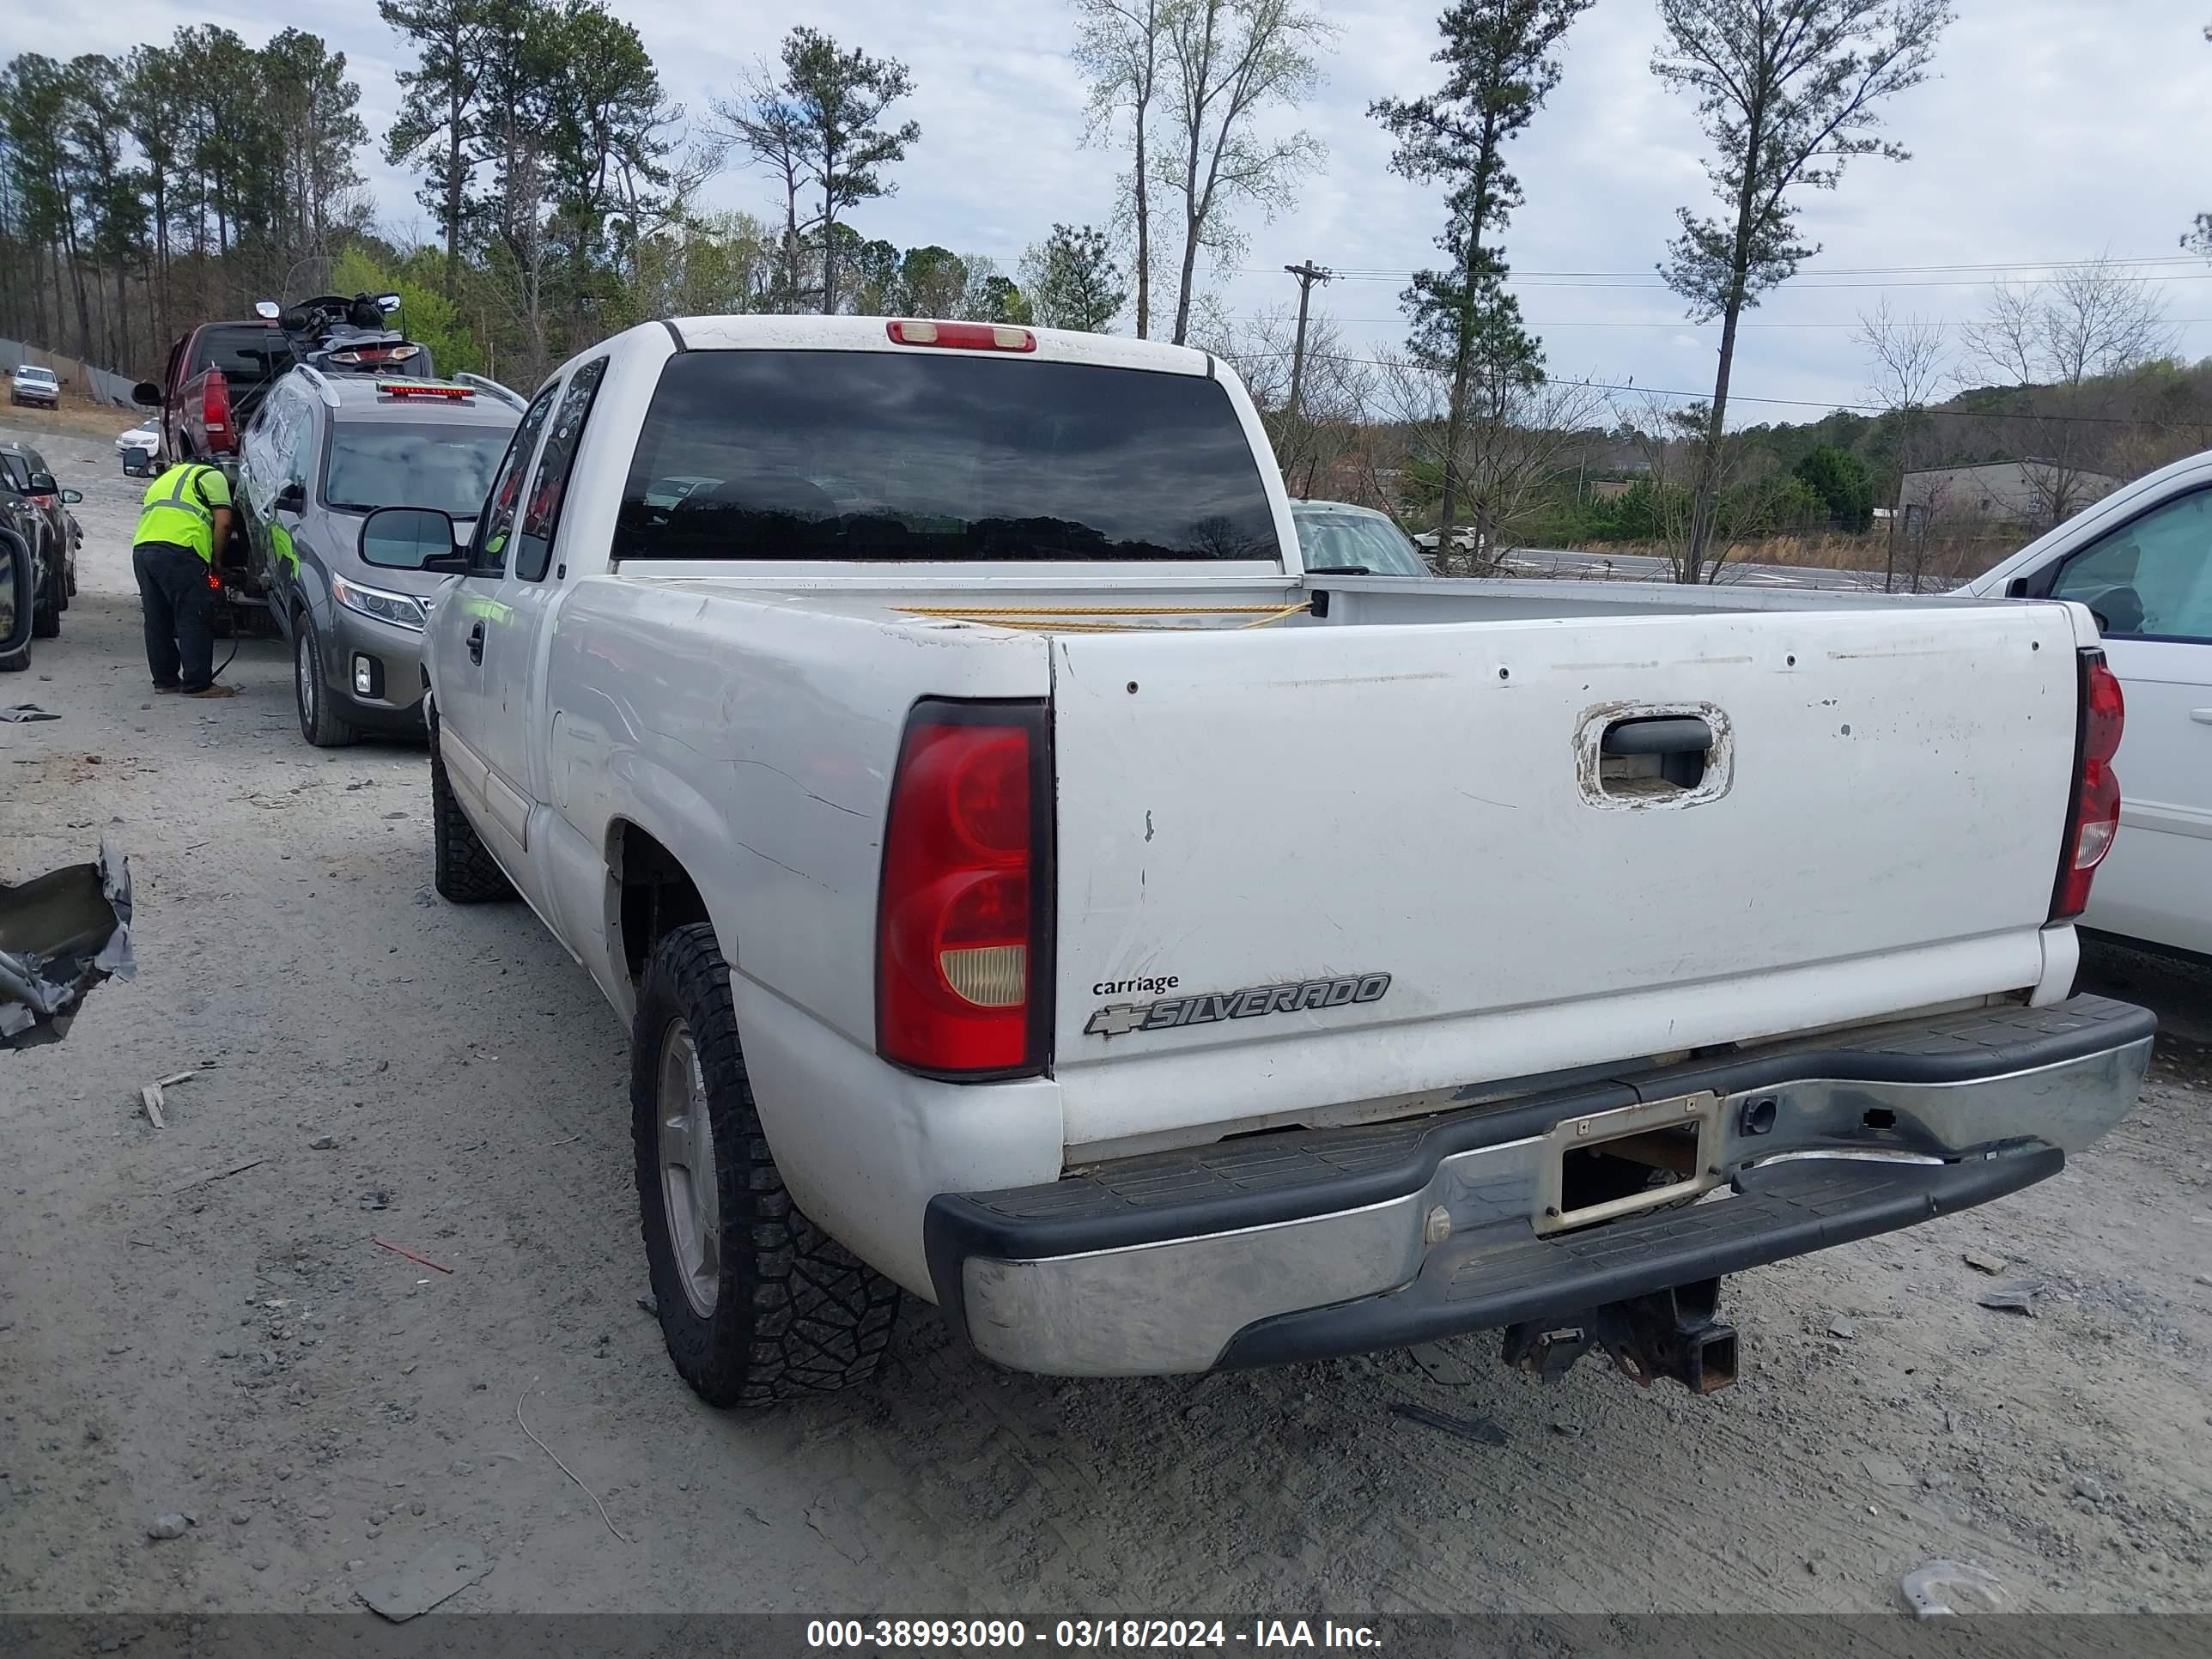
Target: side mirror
(42, 483)
(71, 497)
(387, 303)
(15, 595)
(412, 539)
(146, 395)
(266, 310)
(293, 498)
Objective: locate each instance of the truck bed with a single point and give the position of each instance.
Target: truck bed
(1402, 787)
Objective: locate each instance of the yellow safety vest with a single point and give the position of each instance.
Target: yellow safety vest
(179, 508)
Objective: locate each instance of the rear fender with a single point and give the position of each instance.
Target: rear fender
(664, 806)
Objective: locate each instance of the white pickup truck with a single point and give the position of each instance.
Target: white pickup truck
(1030, 890)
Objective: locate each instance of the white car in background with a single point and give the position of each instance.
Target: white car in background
(1338, 538)
(2142, 561)
(145, 436)
(33, 385)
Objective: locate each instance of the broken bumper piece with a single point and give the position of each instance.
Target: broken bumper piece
(61, 934)
(1305, 1244)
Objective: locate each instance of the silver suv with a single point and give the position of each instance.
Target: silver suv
(321, 454)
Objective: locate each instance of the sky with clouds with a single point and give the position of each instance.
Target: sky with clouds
(2055, 129)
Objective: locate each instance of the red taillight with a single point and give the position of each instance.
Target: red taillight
(962, 921)
(2096, 790)
(964, 337)
(215, 411)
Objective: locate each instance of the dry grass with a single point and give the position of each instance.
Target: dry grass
(75, 418)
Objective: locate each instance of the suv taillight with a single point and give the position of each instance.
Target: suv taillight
(2096, 791)
(963, 916)
(215, 411)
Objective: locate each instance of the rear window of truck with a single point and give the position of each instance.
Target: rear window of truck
(909, 455)
(247, 354)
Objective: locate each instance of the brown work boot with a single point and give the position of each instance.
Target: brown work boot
(213, 691)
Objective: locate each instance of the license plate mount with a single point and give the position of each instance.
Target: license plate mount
(1680, 1137)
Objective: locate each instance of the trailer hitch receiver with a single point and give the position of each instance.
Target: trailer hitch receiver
(1668, 1333)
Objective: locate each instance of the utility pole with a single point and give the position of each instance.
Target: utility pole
(1307, 274)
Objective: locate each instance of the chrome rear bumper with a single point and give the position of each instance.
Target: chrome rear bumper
(1300, 1244)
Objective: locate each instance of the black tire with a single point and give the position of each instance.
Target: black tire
(17, 663)
(321, 723)
(796, 1314)
(467, 872)
(46, 613)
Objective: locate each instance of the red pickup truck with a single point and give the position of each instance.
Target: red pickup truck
(214, 378)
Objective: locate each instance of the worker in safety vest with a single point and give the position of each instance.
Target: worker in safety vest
(184, 520)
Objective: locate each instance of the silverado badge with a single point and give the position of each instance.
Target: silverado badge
(1121, 1018)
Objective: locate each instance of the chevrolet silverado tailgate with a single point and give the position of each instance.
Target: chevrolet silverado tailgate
(1320, 864)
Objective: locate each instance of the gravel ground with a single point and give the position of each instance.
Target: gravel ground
(233, 1346)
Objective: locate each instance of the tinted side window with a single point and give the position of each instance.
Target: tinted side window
(541, 517)
(919, 455)
(488, 556)
(2152, 577)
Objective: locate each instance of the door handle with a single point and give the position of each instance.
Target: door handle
(1686, 734)
(2201, 716)
(476, 643)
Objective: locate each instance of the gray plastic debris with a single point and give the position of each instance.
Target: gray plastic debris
(2016, 1297)
(24, 713)
(433, 1576)
(1941, 1589)
(61, 934)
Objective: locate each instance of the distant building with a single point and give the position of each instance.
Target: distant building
(2023, 493)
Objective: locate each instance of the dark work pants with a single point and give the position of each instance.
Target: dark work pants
(173, 586)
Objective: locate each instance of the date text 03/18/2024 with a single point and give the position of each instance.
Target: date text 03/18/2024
(1003, 1635)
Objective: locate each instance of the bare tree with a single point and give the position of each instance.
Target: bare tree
(1513, 438)
(1121, 44)
(2064, 350)
(1313, 442)
(1227, 62)
(1786, 90)
(1679, 451)
(1905, 359)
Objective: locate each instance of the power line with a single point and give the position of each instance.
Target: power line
(1680, 322)
(1741, 397)
(1377, 273)
(1531, 281)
